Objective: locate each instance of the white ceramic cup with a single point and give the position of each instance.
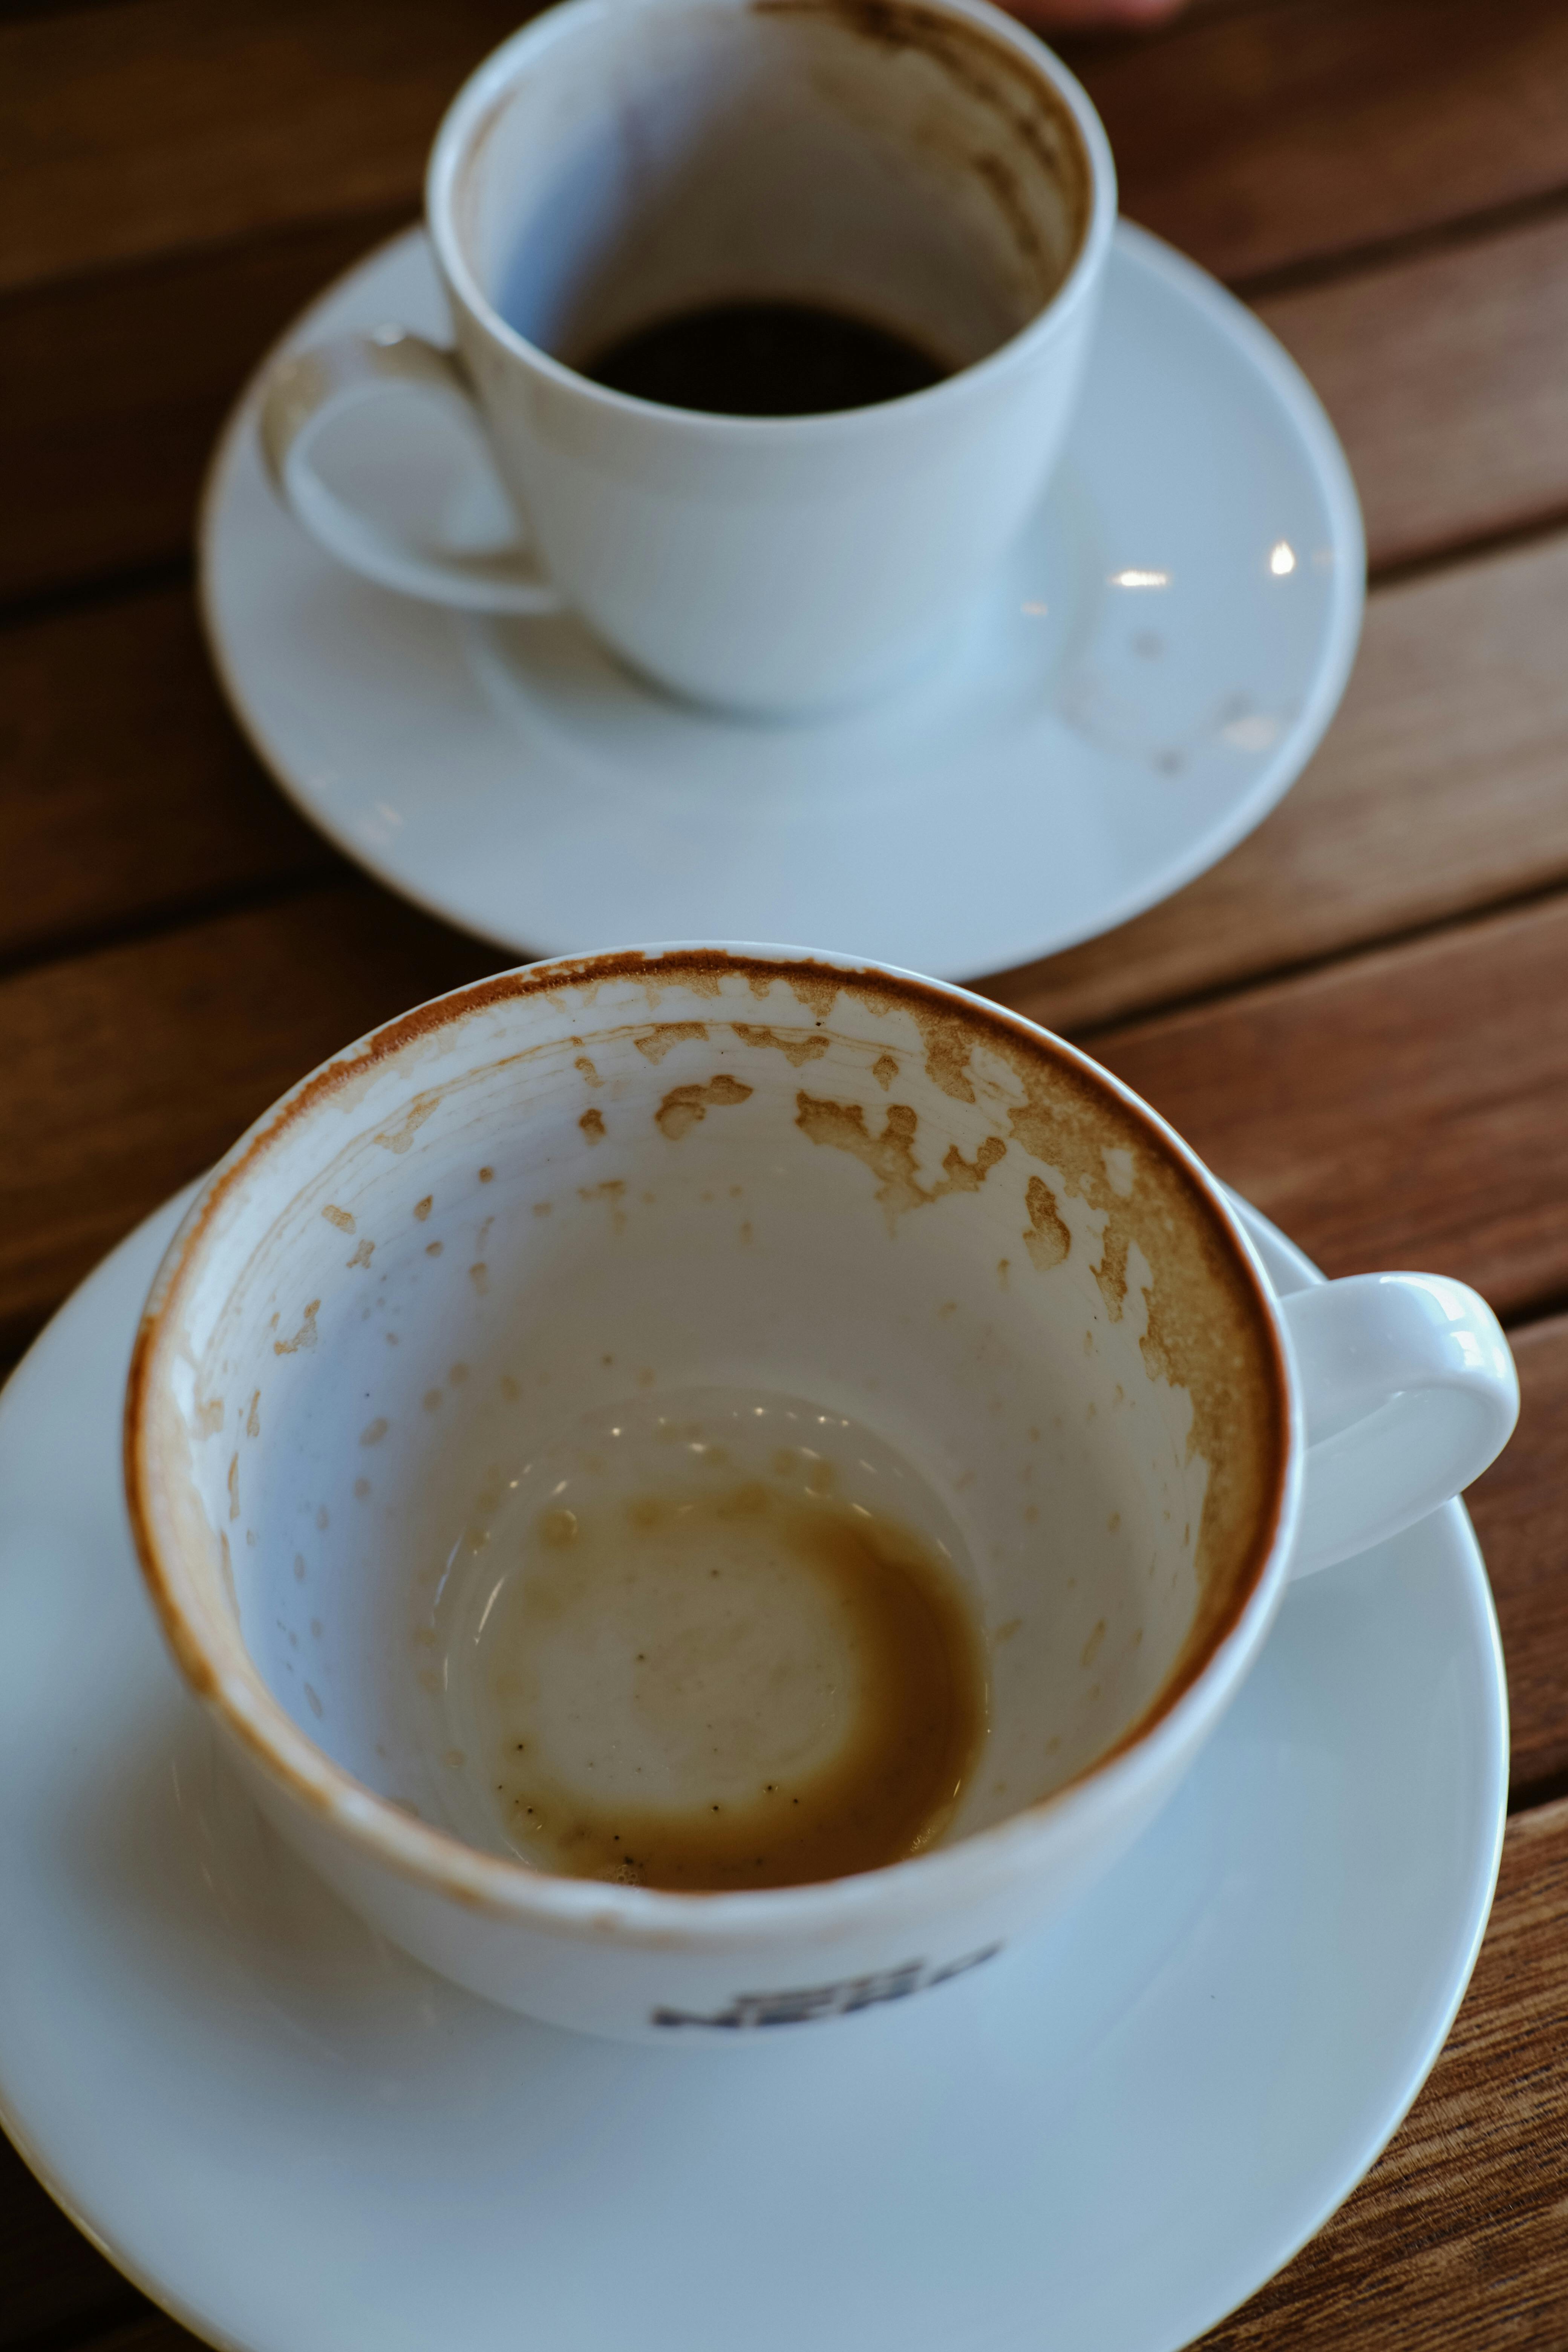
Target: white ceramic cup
(925, 163)
(585, 1187)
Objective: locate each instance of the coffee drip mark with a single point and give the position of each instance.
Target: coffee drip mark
(593, 1126)
(884, 1069)
(891, 1156)
(401, 1139)
(809, 2002)
(305, 1336)
(1049, 1237)
(796, 1048)
(656, 1042)
(683, 1107)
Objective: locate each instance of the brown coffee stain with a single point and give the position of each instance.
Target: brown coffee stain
(208, 1416)
(434, 1249)
(401, 1139)
(364, 1251)
(1027, 113)
(377, 1430)
(233, 1486)
(891, 1156)
(656, 1042)
(422, 1208)
(487, 1175)
(884, 1069)
(339, 1217)
(1049, 1238)
(901, 1630)
(613, 1195)
(797, 1047)
(817, 992)
(962, 1175)
(593, 1126)
(759, 983)
(304, 1338)
(683, 1107)
(253, 1418)
(479, 1275)
(1091, 1647)
(587, 1072)
(1111, 1272)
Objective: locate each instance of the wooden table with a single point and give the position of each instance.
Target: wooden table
(1361, 1018)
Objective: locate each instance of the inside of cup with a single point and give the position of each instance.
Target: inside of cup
(552, 1204)
(899, 162)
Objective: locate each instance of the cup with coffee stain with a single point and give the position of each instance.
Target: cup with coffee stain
(772, 314)
(712, 1488)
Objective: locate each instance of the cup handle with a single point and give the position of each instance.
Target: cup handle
(303, 391)
(1409, 1391)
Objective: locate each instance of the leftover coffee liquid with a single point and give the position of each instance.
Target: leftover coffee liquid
(688, 1654)
(765, 359)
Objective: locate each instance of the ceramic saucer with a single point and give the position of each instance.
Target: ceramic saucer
(298, 2141)
(1155, 668)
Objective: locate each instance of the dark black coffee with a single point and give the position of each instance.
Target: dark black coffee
(765, 359)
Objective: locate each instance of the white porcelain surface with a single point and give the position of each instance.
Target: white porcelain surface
(621, 161)
(518, 1224)
(1159, 657)
(300, 2142)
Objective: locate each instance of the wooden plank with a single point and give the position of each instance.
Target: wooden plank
(130, 1071)
(1443, 371)
(1401, 1109)
(126, 793)
(115, 386)
(150, 128)
(1457, 2240)
(1269, 139)
(1446, 374)
(1520, 1511)
(1439, 789)
(1253, 137)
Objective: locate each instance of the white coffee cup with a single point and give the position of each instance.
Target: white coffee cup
(588, 1187)
(927, 164)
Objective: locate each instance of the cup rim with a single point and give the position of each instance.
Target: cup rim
(488, 84)
(222, 1675)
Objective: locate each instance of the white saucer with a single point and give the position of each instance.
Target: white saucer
(1140, 692)
(298, 2141)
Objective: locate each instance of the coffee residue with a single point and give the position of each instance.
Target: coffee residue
(706, 1689)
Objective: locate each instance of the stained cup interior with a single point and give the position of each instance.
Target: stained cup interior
(899, 161)
(581, 1189)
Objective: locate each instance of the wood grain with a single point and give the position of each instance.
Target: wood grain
(1458, 2237)
(1253, 138)
(130, 1071)
(115, 386)
(1447, 375)
(1443, 371)
(1314, 128)
(1439, 790)
(1405, 1108)
(126, 793)
(1520, 1511)
(160, 125)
